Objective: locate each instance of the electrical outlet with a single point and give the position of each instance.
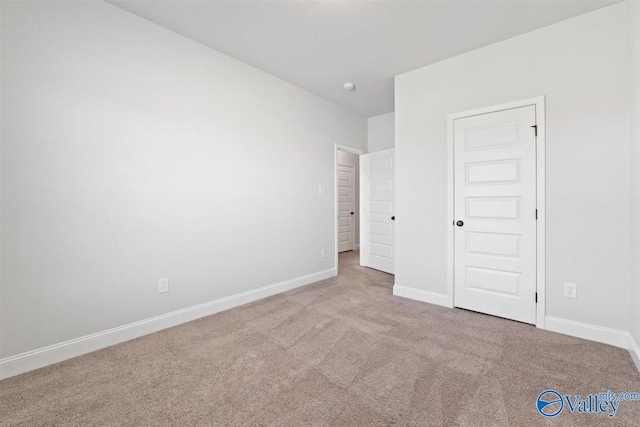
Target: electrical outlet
(322, 190)
(163, 285)
(570, 290)
(323, 253)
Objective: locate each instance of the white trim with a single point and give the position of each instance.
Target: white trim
(541, 239)
(614, 337)
(362, 244)
(351, 150)
(420, 295)
(587, 331)
(634, 350)
(44, 356)
(450, 214)
(539, 103)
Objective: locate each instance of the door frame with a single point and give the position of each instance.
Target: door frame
(352, 150)
(539, 103)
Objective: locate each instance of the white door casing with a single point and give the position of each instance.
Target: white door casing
(377, 205)
(346, 207)
(495, 213)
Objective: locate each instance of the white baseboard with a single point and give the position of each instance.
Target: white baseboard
(421, 295)
(44, 356)
(614, 337)
(634, 349)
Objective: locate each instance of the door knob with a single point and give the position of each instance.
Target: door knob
(393, 218)
(459, 223)
(352, 213)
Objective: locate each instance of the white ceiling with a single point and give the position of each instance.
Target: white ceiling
(319, 45)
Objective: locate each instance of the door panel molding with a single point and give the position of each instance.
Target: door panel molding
(346, 207)
(377, 217)
(539, 104)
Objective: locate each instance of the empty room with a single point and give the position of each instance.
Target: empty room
(319, 213)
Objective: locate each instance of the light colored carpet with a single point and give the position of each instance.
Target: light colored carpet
(341, 352)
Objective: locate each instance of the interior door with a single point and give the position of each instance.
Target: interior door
(346, 207)
(495, 213)
(377, 204)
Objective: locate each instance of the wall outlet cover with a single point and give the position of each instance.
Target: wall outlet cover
(323, 253)
(570, 290)
(163, 285)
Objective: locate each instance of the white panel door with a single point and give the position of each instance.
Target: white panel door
(346, 207)
(377, 204)
(495, 213)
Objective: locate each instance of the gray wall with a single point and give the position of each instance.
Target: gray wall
(582, 67)
(381, 132)
(130, 153)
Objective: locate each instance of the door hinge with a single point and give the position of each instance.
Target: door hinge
(535, 129)
(536, 213)
(536, 297)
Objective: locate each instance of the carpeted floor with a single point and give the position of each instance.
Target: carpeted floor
(341, 352)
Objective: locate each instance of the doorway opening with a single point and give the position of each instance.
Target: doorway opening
(365, 208)
(347, 203)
